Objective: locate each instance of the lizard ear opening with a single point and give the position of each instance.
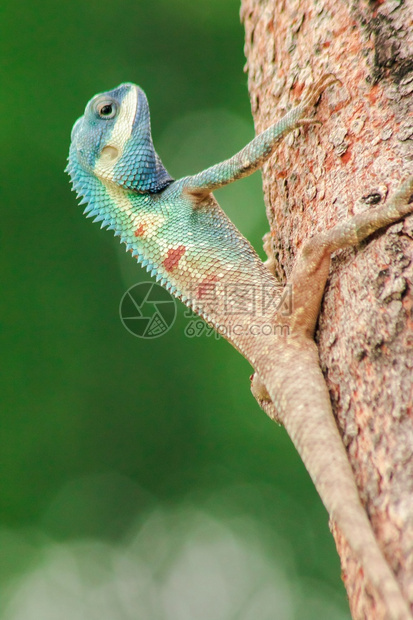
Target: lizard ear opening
(140, 168)
(109, 153)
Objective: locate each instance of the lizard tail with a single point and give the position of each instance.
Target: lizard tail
(299, 392)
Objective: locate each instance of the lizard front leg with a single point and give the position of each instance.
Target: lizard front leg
(256, 152)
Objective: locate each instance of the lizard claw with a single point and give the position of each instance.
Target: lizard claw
(308, 121)
(268, 249)
(315, 90)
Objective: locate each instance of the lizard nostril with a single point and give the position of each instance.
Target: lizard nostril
(109, 153)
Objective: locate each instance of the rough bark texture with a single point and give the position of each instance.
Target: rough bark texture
(322, 175)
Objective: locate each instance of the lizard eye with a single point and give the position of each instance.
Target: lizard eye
(106, 109)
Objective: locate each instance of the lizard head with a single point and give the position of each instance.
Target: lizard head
(113, 142)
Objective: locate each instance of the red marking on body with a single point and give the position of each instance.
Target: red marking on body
(140, 231)
(206, 286)
(173, 257)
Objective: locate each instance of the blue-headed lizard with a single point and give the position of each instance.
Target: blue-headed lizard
(177, 230)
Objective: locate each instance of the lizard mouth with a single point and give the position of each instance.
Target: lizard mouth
(141, 113)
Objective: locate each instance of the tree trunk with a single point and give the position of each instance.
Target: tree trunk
(322, 175)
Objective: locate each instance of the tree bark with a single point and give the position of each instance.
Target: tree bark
(324, 174)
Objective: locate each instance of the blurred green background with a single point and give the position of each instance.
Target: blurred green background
(139, 479)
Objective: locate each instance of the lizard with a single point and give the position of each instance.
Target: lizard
(178, 232)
